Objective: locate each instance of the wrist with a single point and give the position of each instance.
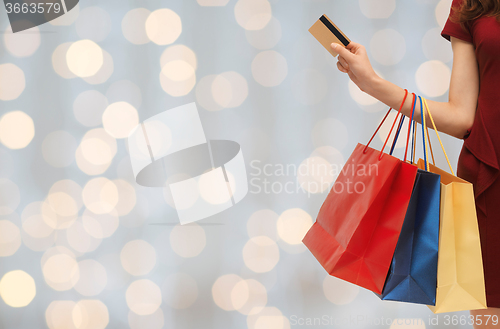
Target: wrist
(373, 84)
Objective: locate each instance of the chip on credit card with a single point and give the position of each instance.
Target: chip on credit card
(327, 33)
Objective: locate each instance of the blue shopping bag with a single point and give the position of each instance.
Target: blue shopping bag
(413, 273)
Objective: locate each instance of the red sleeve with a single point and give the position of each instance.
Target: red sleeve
(454, 29)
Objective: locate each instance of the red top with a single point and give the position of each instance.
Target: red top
(483, 139)
(478, 161)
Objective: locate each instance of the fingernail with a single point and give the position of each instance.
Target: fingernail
(334, 45)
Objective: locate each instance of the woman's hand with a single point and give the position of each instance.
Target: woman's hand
(354, 61)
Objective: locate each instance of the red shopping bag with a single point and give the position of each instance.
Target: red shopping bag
(358, 225)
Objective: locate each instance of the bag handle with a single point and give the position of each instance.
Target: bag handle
(392, 127)
(430, 145)
(413, 135)
(401, 121)
(424, 126)
(437, 133)
(400, 125)
(414, 145)
(413, 103)
(413, 132)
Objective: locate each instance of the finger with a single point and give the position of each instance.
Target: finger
(343, 62)
(352, 77)
(354, 47)
(346, 53)
(341, 68)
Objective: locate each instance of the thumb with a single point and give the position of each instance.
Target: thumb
(342, 51)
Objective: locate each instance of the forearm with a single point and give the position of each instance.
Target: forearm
(448, 119)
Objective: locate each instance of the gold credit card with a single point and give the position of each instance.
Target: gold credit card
(326, 33)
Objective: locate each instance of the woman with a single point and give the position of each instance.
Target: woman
(472, 113)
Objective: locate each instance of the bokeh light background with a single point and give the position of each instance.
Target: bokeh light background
(83, 246)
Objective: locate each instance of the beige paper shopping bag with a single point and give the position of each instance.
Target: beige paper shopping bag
(460, 280)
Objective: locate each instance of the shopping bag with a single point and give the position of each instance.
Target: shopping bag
(413, 272)
(460, 276)
(359, 223)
